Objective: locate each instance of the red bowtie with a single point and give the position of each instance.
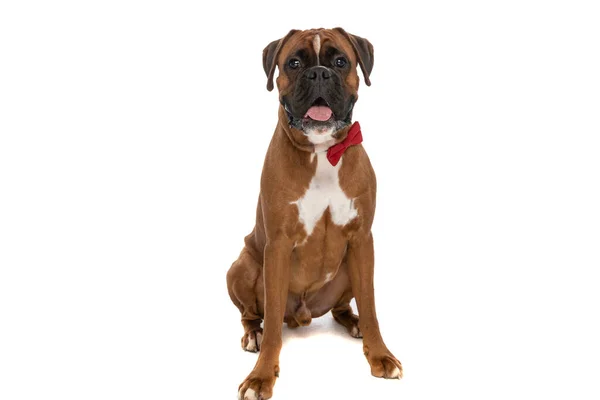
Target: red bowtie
(335, 152)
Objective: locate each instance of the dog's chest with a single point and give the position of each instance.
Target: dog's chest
(324, 192)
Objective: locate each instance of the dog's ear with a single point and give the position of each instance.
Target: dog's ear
(364, 53)
(270, 54)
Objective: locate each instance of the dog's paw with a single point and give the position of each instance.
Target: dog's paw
(249, 394)
(385, 366)
(257, 387)
(350, 322)
(355, 331)
(252, 340)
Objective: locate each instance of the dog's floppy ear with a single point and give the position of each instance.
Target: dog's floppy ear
(270, 54)
(364, 53)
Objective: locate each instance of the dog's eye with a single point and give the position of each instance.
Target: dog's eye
(294, 63)
(341, 62)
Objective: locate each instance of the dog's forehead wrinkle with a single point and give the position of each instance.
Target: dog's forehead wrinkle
(302, 53)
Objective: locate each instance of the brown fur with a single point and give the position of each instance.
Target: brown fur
(279, 279)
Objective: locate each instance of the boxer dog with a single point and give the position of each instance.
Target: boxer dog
(311, 250)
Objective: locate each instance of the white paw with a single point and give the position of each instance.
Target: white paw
(395, 373)
(250, 395)
(251, 346)
(254, 341)
(355, 332)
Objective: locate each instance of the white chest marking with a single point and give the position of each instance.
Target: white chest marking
(324, 192)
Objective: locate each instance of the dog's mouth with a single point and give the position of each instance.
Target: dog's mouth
(319, 117)
(319, 111)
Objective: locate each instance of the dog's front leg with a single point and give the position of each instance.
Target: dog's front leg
(361, 266)
(276, 275)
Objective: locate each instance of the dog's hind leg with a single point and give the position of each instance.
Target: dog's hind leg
(244, 283)
(343, 315)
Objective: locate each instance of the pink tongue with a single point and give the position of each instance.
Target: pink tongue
(319, 113)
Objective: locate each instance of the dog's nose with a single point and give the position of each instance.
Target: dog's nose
(317, 73)
(311, 74)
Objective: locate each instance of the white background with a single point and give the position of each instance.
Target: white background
(132, 136)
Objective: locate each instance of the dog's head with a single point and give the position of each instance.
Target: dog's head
(318, 79)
